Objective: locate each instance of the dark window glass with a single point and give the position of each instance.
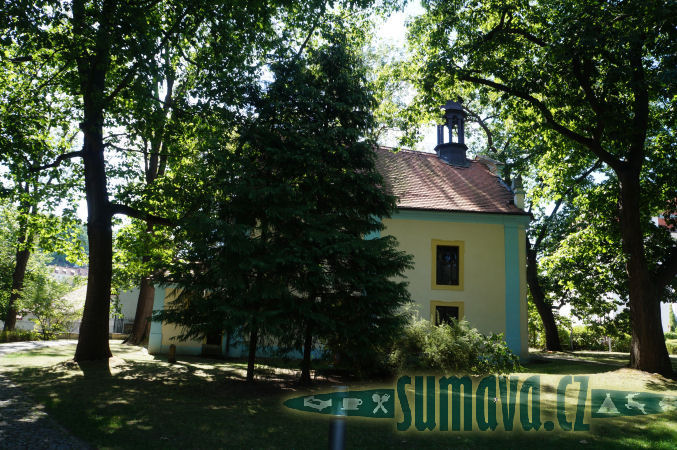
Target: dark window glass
(214, 339)
(447, 265)
(444, 314)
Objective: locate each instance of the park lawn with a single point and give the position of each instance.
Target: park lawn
(141, 401)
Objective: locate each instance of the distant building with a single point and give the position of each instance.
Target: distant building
(63, 273)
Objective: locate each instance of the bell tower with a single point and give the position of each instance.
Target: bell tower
(453, 151)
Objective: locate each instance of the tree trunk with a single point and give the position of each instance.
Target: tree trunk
(22, 255)
(93, 67)
(144, 310)
(253, 338)
(93, 338)
(552, 342)
(305, 364)
(647, 351)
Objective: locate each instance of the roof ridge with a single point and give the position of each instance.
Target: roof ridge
(397, 150)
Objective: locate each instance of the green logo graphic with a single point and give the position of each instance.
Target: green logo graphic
(608, 403)
(375, 403)
(428, 403)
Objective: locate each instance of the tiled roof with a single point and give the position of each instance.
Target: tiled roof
(423, 181)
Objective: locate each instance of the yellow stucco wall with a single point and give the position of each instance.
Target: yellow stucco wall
(482, 298)
(483, 293)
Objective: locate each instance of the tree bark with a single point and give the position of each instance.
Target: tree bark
(307, 347)
(93, 67)
(144, 310)
(647, 351)
(253, 338)
(552, 342)
(93, 338)
(22, 255)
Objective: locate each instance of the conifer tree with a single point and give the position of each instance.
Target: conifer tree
(286, 254)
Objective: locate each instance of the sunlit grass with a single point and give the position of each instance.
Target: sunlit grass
(139, 400)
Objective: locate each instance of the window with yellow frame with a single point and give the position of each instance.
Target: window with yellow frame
(447, 264)
(443, 312)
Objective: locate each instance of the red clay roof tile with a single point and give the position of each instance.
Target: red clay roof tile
(423, 181)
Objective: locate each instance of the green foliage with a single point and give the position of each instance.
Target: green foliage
(589, 338)
(451, 348)
(46, 299)
(76, 254)
(594, 335)
(671, 346)
(670, 335)
(672, 320)
(36, 126)
(7, 254)
(37, 280)
(18, 336)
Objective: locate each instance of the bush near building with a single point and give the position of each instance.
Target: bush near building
(452, 347)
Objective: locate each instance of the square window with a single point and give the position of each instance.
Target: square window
(444, 314)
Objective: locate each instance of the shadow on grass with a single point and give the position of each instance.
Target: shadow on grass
(202, 403)
(570, 364)
(93, 369)
(185, 405)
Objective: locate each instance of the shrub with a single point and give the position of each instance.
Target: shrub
(45, 299)
(586, 338)
(621, 343)
(671, 346)
(671, 335)
(451, 348)
(18, 336)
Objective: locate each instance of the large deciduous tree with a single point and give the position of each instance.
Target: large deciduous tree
(600, 75)
(101, 49)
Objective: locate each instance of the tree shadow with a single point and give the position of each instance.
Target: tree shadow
(563, 364)
(94, 369)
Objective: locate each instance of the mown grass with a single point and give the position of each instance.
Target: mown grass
(141, 401)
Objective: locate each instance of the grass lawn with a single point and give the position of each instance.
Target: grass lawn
(141, 401)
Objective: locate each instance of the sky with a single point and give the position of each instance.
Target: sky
(393, 32)
(394, 28)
